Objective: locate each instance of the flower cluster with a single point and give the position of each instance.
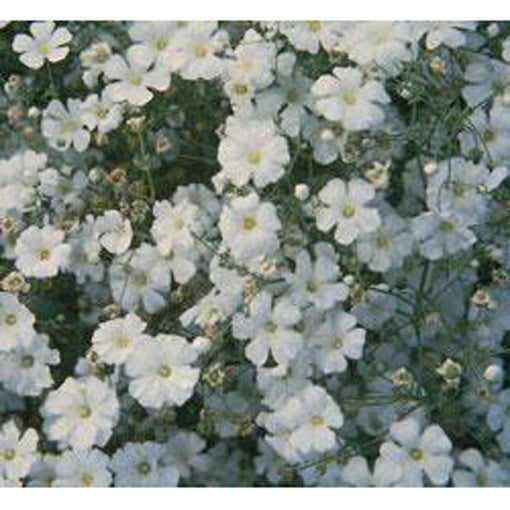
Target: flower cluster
(277, 247)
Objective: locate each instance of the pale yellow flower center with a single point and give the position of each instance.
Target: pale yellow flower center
(43, 254)
(249, 223)
(348, 211)
(318, 420)
(164, 371)
(417, 454)
(254, 157)
(350, 97)
(84, 412)
(11, 319)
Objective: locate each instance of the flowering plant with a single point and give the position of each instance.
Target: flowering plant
(279, 247)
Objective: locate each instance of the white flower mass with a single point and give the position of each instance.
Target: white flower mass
(252, 254)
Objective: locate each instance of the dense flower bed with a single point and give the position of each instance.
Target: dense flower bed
(254, 253)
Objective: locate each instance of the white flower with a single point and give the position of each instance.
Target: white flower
(357, 473)
(140, 277)
(441, 233)
(289, 99)
(18, 452)
(412, 453)
(81, 413)
(498, 419)
(116, 340)
(252, 149)
(475, 471)
(455, 188)
(280, 382)
(183, 451)
(41, 252)
(25, 369)
(388, 246)
(249, 227)
(155, 38)
(114, 232)
(445, 32)
(309, 418)
(344, 206)
(16, 322)
(269, 329)
(253, 63)
(311, 35)
(65, 188)
(42, 472)
(377, 306)
(161, 372)
(317, 282)
(82, 468)
(346, 99)
(134, 78)
(18, 177)
(193, 50)
(84, 260)
(65, 127)
(382, 44)
(46, 44)
(140, 465)
(101, 113)
(94, 59)
(175, 227)
(336, 339)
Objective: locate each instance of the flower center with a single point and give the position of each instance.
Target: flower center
(102, 113)
(179, 223)
(416, 454)
(164, 371)
(84, 412)
(270, 327)
(8, 454)
(43, 254)
(481, 481)
(311, 287)
(350, 97)
(27, 361)
(144, 468)
(348, 211)
(447, 227)
(314, 26)
(11, 319)
(123, 342)
(136, 80)
(102, 56)
(338, 343)
(254, 157)
(459, 189)
(240, 89)
(292, 95)
(384, 242)
(86, 481)
(140, 279)
(490, 135)
(249, 223)
(317, 420)
(161, 44)
(200, 51)
(43, 48)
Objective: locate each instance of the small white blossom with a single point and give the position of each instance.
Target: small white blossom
(162, 371)
(41, 252)
(343, 97)
(344, 206)
(46, 43)
(81, 413)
